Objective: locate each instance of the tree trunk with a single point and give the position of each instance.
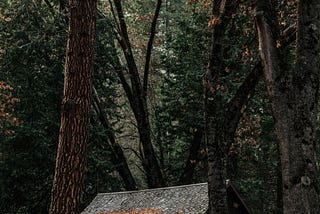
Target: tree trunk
(303, 191)
(193, 158)
(220, 133)
(117, 156)
(137, 93)
(75, 116)
(214, 114)
(294, 98)
(150, 161)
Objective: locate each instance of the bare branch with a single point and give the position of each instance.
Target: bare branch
(117, 156)
(149, 47)
(114, 17)
(127, 51)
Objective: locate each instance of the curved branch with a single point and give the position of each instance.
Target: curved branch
(239, 101)
(149, 47)
(246, 90)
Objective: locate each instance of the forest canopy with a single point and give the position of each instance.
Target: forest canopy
(105, 96)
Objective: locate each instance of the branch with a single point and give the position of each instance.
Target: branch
(237, 105)
(117, 156)
(125, 86)
(115, 18)
(127, 89)
(245, 92)
(122, 23)
(288, 35)
(124, 40)
(126, 48)
(149, 47)
(103, 119)
(119, 70)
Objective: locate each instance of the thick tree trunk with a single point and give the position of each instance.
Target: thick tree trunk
(222, 117)
(303, 193)
(75, 116)
(214, 115)
(220, 135)
(294, 97)
(215, 143)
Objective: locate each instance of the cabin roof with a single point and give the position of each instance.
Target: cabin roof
(191, 199)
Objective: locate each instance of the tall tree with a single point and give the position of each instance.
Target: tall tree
(137, 89)
(220, 115)
(294, 97)
(75, 113)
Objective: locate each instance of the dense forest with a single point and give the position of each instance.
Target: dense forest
(105, 96)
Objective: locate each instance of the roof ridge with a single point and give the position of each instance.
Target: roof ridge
(151, 190)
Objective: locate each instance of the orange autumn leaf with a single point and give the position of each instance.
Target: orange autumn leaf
(7, 102)
(215, 20)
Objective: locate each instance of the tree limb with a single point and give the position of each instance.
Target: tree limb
(117, 156)
(149, 47)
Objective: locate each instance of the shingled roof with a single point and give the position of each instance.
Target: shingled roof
(191, 199)
(187, 199)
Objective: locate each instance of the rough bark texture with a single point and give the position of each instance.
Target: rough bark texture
(223, 131)
(214, 114)
(278, 83)
(137, 95)
(75, 116)
(294, 98)
(304, 192)
(222, 117)
(215, 143)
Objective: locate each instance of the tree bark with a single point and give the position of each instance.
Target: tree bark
(214, 114)
(149, 47)
(75, 113)
(294, 98)
(222, 117)
(137, 95)
(303, 188)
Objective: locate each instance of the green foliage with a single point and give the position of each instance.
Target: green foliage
(32, 52)
(178, 112)
(255, 157)
(32, 62)
(32, 59)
